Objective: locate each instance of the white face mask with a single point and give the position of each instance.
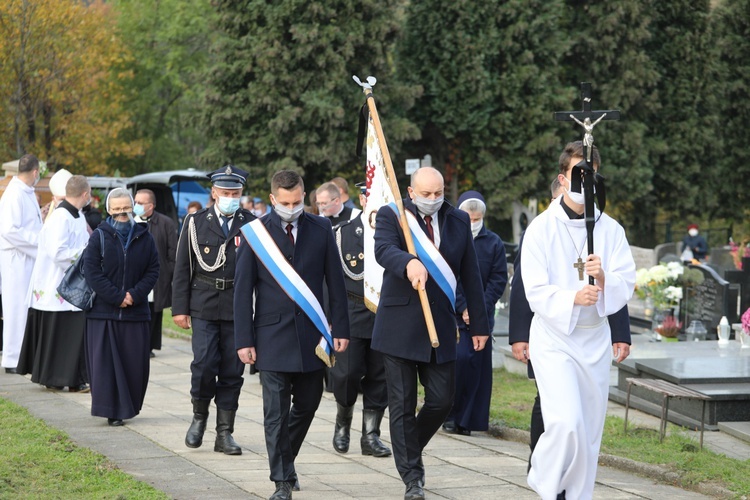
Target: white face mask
(428, 206)
(287, 214)
(577, 198)
(693, 232)
(476, 227)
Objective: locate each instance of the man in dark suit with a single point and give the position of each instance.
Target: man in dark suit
(203, 298)
(400, 331)
(520, 316)
(279, 335)
(164, 231)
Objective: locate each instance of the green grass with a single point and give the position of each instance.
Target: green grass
(513, 398)
(37, 461)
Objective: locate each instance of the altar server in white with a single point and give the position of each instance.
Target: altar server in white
(53, 345)
(20, 224)
(570, 339)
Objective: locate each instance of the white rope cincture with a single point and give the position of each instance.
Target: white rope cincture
(345, 264)
(220, 259)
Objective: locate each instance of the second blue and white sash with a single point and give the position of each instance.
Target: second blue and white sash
(291, 282)
(431, 257)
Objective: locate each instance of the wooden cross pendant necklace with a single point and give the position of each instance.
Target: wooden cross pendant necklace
(579, 265)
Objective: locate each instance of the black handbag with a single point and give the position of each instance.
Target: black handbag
(74, 288)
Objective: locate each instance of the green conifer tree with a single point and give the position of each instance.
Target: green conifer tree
(281, 91)
(490, 72)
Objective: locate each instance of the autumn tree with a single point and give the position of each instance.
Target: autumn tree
(59, 96)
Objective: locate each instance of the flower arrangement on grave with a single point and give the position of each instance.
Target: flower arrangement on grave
(669, 327)
(746, 321)
(663, 283)
(738, 252)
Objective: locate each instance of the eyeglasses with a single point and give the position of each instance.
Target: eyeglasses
(326, 205)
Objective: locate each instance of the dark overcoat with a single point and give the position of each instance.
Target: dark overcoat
(164, 231)
(283, 336)
(400, 329)
(119, 272)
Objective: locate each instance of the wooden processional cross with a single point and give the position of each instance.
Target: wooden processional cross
(586, 167)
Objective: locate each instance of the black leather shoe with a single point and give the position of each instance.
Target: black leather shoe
(296, 487)
(449, 426)
(461, 431)
(11, 371)
(283, 491)
(115, 422)
(414, 490)
(561, 496)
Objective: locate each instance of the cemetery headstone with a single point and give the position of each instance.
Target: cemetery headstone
(710, 300)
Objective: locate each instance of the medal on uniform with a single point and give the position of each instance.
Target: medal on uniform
(348, 256)
(353, 263)
(361, 256)
(206, 250)
(358, 231)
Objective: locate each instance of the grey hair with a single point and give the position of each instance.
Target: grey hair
(119, 193)
(332, 189)
(473, 205)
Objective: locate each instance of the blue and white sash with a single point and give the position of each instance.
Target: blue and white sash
(291, 282)
(431, 257)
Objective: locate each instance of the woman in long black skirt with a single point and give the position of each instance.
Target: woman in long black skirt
(118, 325)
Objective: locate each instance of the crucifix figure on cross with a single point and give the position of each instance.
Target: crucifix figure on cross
(586, 167)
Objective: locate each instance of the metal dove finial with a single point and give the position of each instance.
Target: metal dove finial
(371, 80)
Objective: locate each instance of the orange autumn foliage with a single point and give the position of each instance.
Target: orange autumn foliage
(60, 88)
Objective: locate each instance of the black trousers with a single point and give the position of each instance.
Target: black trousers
(216, 370)
(285, 427)
(360, 365)
(410, 433)
(156, 319)
(537, 422)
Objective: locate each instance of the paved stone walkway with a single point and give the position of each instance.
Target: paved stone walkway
(150, 447)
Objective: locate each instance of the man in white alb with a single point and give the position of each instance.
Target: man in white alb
(20, 224)
(570, 339)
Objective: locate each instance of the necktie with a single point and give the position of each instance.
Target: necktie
(225, 225)
(428, 222)
(289, 228)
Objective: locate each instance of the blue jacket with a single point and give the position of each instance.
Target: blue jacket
(494, 269)
(134, 271)
(400, 328)
(697, 244)
(283, 336)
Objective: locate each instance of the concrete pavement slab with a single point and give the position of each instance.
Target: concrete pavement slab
(151, 448)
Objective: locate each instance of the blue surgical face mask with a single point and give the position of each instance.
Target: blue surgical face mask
(228, 206)
(139, 210)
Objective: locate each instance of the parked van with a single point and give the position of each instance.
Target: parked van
(158, 182)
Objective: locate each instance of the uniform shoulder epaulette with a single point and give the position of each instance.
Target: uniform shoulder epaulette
(342, 224)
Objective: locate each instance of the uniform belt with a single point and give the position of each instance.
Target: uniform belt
(355, 298)
(219, 283)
